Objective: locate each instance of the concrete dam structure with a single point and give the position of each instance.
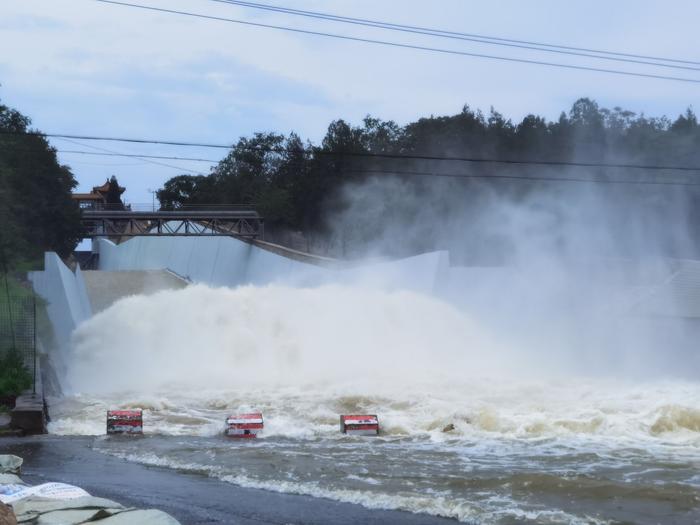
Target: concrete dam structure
(471, 370)
(145, 265)
(105, 287)
(670, 294)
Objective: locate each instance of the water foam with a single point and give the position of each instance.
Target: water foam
(303, 356)
(469, 409)
(203, 337)
(435, 503)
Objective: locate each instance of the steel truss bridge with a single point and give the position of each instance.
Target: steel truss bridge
(217, 222)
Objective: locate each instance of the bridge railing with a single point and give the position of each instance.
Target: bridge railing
(146, 207)
(192, 220)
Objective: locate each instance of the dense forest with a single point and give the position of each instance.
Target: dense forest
(299, 186)
(36, 211)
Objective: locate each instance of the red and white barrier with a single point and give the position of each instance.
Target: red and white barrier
(359, 425)
(125, 422)
(244, 425)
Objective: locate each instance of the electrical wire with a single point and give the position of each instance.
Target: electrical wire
(401, 45)
(449, 35)
(525, 178)
(396, 156)
(439, 174)
(119, 139)
(133, 155)
(455, 33)
(145, 159)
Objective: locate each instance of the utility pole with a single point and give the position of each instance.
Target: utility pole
(153, 199)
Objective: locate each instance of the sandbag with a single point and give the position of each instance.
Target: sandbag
(52, 490)
(30, 509)
(140, 517)
(71, 517)
(39, 511)
(10, 464)
(40, 504)
(10, 479)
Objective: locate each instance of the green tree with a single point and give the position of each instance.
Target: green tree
(36, 208)
(302, 186)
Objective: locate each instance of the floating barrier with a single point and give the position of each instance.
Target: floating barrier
(354, 425)
(244, 425)
(125, 422)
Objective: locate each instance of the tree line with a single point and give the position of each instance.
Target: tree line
(37, 214)
(300, 186)
(36, 210)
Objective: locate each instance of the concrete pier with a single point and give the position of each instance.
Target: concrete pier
(29, 415)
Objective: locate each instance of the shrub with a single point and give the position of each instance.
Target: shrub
(14, 377)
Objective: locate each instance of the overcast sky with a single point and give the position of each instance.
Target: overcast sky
(83, 67)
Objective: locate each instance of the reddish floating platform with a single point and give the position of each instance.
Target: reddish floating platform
(125, 422)
(359, 425)
(244, 425)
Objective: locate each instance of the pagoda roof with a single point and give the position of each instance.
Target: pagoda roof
(105, 188)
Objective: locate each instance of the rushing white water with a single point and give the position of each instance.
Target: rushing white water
(203, 337)
(476, 415)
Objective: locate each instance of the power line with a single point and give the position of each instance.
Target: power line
(119, 139)
(425, 173)
(449, 35)
(396, 156)
(401, 45)
(145, 159)
(105, 165)
(421, 173)
(132, 155)
(455, 33)
(415, 173)
(525, 178)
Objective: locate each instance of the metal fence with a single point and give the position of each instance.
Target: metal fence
(18, 326)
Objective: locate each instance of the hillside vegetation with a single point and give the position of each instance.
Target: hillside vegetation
(316, 188)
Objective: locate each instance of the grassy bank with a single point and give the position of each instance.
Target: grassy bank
(16, 337)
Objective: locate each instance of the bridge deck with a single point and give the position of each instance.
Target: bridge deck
(191, 222)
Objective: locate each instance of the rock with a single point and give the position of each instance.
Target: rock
(449, 428)
(7, 517)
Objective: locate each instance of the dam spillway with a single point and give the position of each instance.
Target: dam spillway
(105, 287)
(495, 419)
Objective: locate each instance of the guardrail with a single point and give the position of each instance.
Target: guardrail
(192, 221)
(144, 207)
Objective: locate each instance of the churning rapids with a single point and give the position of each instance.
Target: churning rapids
(470, 429)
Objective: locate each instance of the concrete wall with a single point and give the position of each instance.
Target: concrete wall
(105, 288)
(225, 261)
(218, 261)
(423, 273)
(67, 302)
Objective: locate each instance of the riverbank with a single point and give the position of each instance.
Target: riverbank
(192, 499)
